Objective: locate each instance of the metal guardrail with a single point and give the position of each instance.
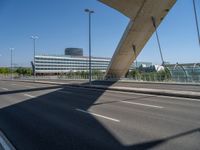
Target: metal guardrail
(142, 77)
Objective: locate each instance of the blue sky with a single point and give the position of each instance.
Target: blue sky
(63, 23)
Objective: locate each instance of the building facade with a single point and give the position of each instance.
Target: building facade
(72, 61)
(49, 64)
(52, 64)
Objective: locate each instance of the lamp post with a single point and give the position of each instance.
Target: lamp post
(34, 38)
(0, 56)
(11, 62)
(90, 71)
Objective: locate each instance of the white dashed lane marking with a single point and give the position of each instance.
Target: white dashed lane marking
(31, 96)
(98, 115)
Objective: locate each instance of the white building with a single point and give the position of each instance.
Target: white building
(75, 62)
(51, 64)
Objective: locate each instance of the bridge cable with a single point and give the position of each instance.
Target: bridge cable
(158, 40)
(196, 20)
(134, 50)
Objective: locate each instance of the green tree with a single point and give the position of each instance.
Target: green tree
(134, 74)
(23, 71)
(4, 70)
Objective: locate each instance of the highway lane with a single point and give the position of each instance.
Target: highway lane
(20, 87)
(51, 119)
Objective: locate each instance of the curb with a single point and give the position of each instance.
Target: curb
(183, 94)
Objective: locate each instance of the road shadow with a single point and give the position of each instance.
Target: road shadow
(124, 100)
(52, 122)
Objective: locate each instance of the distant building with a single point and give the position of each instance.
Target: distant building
(141, 64)
(58, 64)
(159, 68)
(49, 64)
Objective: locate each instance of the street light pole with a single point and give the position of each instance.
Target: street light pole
(90, 68)
(11, 62)
(34, 39)
(0, 56)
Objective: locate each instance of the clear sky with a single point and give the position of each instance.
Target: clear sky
(63, 23)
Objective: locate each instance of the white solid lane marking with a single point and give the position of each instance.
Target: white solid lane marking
(158, 96)
(31, 96)
(141, 104)
(4, 89)
(14, 84)
(108, 118)
(4, 144)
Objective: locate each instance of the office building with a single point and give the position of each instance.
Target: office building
(60, 64)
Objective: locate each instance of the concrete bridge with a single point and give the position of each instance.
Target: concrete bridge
(145, 16)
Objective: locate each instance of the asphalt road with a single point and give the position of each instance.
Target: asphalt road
(45, 117)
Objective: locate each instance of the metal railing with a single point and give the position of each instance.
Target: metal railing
(141, 77)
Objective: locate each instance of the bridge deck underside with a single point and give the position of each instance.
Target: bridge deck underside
(138, 31)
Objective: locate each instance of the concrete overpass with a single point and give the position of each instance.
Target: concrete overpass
(138, 32)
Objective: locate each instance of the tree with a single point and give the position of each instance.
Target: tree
(134, 73)
(23, 71)
(4, 70)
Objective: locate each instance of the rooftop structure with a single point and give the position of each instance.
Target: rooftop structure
(74, 51)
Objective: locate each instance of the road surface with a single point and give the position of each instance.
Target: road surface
(37, 116)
